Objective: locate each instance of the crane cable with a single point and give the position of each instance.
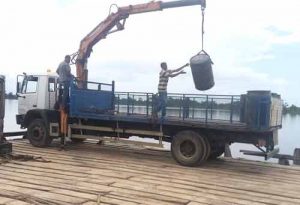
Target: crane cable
(202, 32)
(202, 29)
(202, 35)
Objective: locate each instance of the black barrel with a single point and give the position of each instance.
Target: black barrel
(201, 66)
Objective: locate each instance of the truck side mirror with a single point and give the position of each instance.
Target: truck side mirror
(20, 79)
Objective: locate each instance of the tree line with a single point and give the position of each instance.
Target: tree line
(10, 96)
(203, 104)
(179, 102)
(292, 109)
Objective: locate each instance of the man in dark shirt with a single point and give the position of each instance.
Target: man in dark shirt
(65, 77)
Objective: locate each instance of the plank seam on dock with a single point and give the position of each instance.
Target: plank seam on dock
(141, 176)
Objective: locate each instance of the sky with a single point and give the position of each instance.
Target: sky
(254, 44)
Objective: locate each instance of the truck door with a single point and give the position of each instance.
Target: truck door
(51, 97)
(27, 94)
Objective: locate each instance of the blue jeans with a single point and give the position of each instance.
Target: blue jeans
(162, 103)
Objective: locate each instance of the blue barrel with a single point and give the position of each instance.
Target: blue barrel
(201, 66)
(257, 111)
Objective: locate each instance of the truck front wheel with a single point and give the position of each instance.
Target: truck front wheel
(188, 148)
(38, 134)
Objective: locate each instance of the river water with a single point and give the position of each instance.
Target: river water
(289, 135)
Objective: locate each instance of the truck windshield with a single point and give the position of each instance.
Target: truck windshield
(29, 84)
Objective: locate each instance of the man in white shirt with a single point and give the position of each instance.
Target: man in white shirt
(163, 84)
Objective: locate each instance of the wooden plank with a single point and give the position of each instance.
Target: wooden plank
(42, 195)
(137, 170)
(17, 202)
(115, 200)
(5, 200)
(235, 192)
(95, 203)
(260, 184)
(85, 187)
(174, 183)
(140, 176)
(233, 173)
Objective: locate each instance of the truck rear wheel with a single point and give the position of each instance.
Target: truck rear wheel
(188, 148)
(208, 151)
(38, 134)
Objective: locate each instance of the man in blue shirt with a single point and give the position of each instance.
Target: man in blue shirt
(65, 77)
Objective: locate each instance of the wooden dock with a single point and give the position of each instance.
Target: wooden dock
(117, 174)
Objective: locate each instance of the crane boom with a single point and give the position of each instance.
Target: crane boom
(115, 22)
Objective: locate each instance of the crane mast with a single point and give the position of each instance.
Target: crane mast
(116, 22)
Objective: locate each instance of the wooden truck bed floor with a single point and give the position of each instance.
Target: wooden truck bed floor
(89, 174)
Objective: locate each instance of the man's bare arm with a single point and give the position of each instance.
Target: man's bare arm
(176, 74)
(179, 69)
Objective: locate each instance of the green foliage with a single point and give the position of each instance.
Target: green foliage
(198, 103)
(10, 95)
(293, 109)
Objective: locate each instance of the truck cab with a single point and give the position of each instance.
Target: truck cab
(36, 93)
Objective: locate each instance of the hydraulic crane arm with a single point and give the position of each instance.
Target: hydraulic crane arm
(115, 22)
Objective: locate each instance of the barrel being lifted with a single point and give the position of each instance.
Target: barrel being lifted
(201, 66)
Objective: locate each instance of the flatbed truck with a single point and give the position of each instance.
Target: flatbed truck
(197, 126)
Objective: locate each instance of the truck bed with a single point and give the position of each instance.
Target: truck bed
(171, 120)
(219, 112)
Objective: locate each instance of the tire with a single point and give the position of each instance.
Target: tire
(188, 148)
(77, 140)
(208, 151)
(297, 156)
(38, 133)
(216, 152)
